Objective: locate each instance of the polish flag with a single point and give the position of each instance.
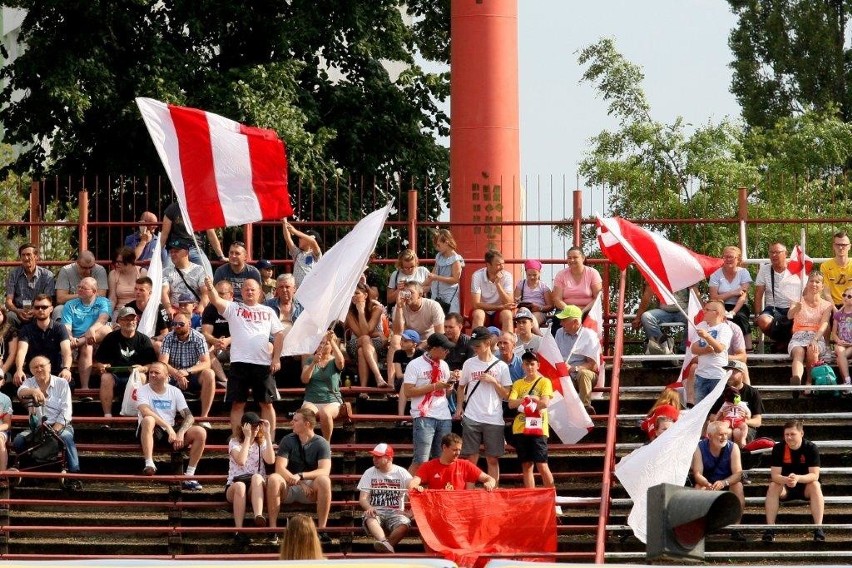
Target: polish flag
(799, 263)
(224, 173)
(667, 266)
(594, 321)
(566, 414)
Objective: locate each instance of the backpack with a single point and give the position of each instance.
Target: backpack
(823, 375)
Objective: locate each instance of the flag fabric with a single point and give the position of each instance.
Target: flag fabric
(666, 459)
(799, 262)
(326, 292)
(466, 526)
(566, 414)
(224, 173)
(148, 319)
(595, 322)
(667, 266)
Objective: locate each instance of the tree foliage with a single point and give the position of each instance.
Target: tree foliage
(790, 57)
(312, 70)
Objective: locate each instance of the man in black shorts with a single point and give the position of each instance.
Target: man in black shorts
(794, 474)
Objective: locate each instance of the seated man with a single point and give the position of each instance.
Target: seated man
(236, 270)
(119, 352)
(771, 304)
(86, 318)
(285, 306)
(492, 294)
(53, 395)
(217, 333)
(413, 311)
(69, 278)
(581, 351)
(159, 404)
(659, 342)
(716, 466)
(142, 241)
(794, 474)
(302, 470)
(43, 336)
(25, 283)
(449, 472)
(143, 292)
(184, 352)
(382, 497)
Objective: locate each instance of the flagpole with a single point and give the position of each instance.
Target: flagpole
(802, 272)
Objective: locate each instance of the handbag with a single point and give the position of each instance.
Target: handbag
(129, 404)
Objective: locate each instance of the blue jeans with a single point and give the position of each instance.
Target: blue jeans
(652, 319)
(703, 387)
(427, 438)
(67, 435)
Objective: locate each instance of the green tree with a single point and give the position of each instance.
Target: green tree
(789, 57)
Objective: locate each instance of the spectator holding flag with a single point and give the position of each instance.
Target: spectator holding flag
(581, 348)
(530, 396)
(711, 349)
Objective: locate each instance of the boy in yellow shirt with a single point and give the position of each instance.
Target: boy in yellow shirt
(530, 395)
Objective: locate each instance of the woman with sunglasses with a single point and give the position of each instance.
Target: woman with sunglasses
(249, 448)
(122, 279)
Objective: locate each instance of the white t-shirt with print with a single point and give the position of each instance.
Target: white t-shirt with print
(484, 405)
(251, 328)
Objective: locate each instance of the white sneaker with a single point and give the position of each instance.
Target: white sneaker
(383, 546)
(655, 348)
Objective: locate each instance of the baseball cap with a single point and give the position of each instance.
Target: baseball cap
(124, 312)
(178, 243)
(480, 333)
(736, 365)
(411, 335)
(528, 356)
(250, 418)
(263, 264)
(523, 313)
(570, 311)
(382, 450)
(532, 265)
(494, 330)
(439, 340)
(187, 299)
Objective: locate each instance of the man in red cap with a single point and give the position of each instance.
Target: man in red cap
(382, 498)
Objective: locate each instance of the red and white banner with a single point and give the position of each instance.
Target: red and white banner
(566, 414)
(800, 263)
(224, 173)
(667, 266)
(595, 322)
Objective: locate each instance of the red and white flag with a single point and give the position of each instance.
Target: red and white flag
(566, 414)
(666, 266)
(595, 322)
(224, 173)
(799, 262)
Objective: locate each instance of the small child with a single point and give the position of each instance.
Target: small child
(533, 294)
(841, 334)
(401, 358)
(306, 254)
(735, 412)
(267, 277)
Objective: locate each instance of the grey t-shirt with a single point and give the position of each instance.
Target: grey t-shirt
(225, 272)
(69, 277)
(194, 276)
(303, 458)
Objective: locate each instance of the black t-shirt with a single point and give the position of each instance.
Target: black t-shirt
(795, 461)
(748, 395)
(401, 357)
(303, 458)
(119, 351)
(211, 316)
(160, 323)
(44, 343)
(459, 354)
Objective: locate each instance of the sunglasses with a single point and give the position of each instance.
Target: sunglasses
(46, 307)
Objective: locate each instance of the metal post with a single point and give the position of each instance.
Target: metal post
(83, 221)
(412, 219)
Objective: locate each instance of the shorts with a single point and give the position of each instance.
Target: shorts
(530, 448)
(192, 383)
(389, 520)
(796, 493)
(245, 376)
(476, 433)
(782, 327)
(119, 384)
(296, 493)
(321, 405)
(161, 437)
(379, 343)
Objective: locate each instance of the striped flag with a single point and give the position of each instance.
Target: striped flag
(566, 414)
(594, 321)
(224, 173)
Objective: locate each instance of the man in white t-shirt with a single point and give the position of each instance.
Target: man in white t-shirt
(159, 405)
(492, 294)
(426, 384)
(383, 488)
(711, 349)
(770, 301)
(253, 360)
(485, 384)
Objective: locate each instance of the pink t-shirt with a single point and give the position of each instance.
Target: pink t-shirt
(577, 293)
(808, 318)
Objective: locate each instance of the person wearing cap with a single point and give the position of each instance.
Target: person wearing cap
(448, 472)
(485, 384)
(236, 270)
(651, 320)
(413, 311)
(249, 451)
(86, 318)
(267, 277)
(185, 353)
(426, 384)
(162, 320)
(506, 352)
(491, 293)
(382, 498)
(581, 349)
(408, 351)
(737, 386)
(527, 340)
(187, 306)
(121, 351)
(182, 277)
(495, 333)
(306, 254)
(667, 405)
(532, 294)
(175, 228)
(711, 349)
(530, 395)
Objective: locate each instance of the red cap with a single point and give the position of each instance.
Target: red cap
(382, 450)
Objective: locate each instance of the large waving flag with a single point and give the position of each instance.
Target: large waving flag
(665, 460)
(148, 319)
(565, 413)
(667, 266)
(326, 292)
(594, 321)
(224, 173)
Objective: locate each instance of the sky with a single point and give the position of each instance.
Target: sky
(682, 46)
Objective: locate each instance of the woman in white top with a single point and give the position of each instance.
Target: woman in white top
(248, 450)
(730, 285)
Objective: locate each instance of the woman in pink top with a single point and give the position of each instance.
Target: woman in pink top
(810, 316)
(577, 284)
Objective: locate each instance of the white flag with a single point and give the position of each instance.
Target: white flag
(148, 319)
(326, 292)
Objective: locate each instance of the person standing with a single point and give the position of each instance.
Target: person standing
(711, 349)
(236, 270)
(530, 396)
